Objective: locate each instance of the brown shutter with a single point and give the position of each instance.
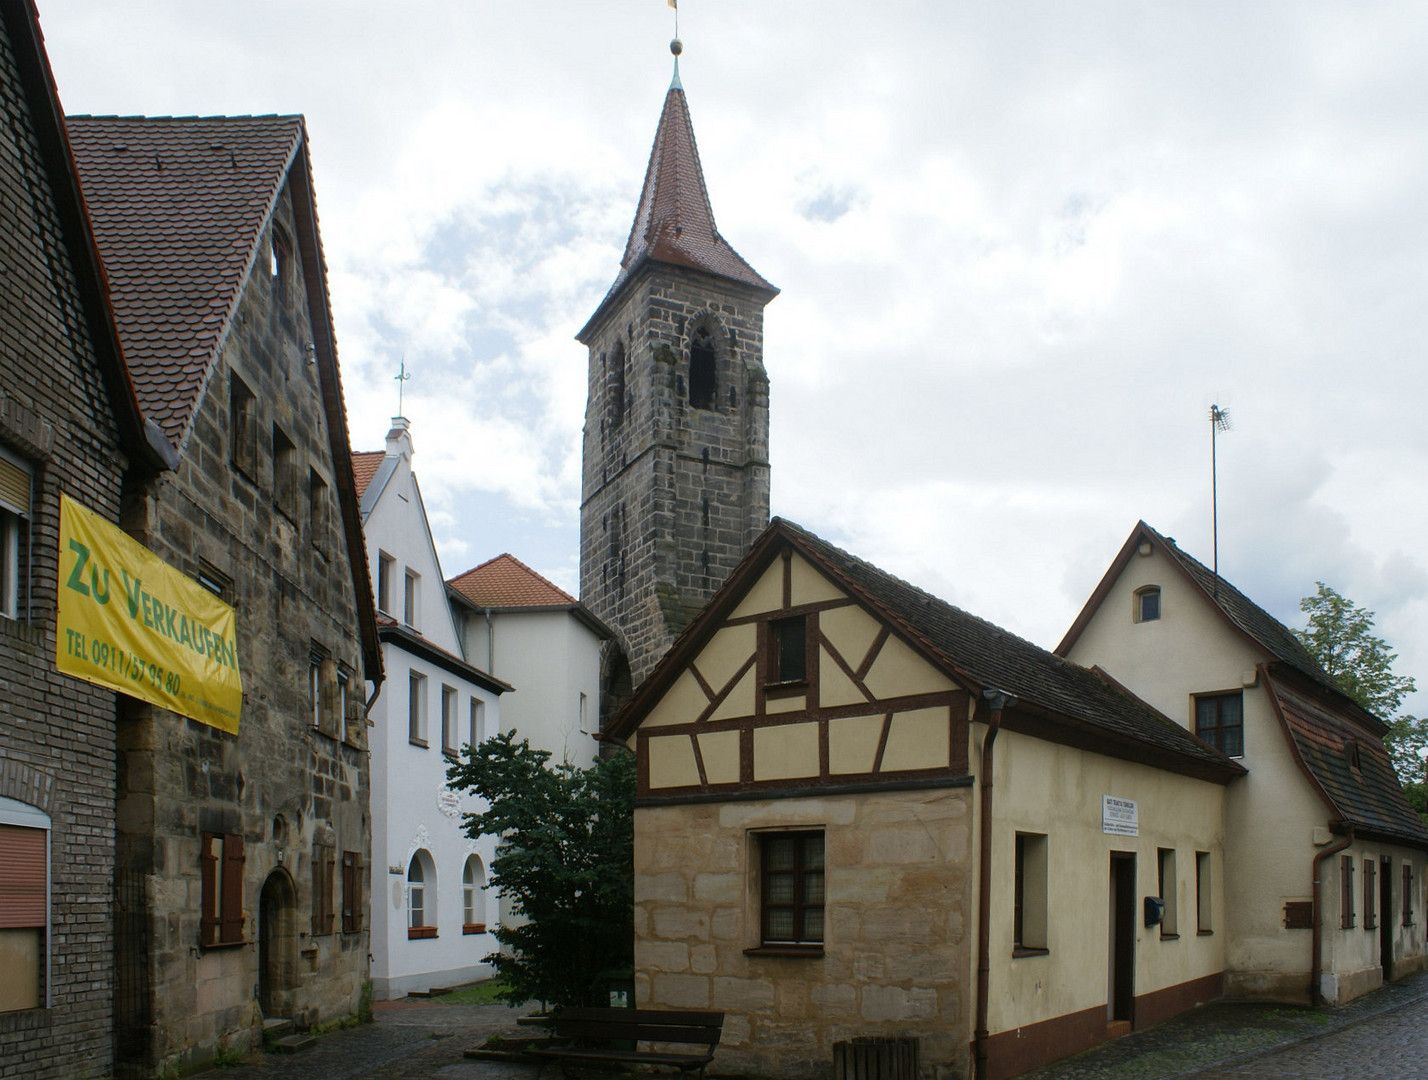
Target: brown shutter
(14, 488)
(22, 877)
(208, 893)
(232, 917)
(351, 893)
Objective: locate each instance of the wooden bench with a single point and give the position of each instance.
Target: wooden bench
(592, 1031)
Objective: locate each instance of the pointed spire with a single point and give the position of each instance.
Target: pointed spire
(674, 222)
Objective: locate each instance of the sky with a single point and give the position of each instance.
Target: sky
(1022, 246)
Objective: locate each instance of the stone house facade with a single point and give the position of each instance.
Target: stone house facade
(69, 424)
(857, 807)
(676, 442)
(242, 860)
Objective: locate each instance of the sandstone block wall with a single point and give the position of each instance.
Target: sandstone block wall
(898, 927)
(672, 495)
(56, 733)
(281, 783)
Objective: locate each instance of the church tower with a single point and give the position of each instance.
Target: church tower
(676, 452)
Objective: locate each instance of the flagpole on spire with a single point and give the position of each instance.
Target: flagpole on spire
(676, 47)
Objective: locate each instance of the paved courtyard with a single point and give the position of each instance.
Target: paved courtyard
(1381, 1037)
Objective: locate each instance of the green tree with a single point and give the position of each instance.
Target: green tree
(1340, 636)
(565, 864)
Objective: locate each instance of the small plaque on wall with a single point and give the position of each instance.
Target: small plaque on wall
(1119, 817)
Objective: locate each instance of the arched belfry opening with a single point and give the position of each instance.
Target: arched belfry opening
(670, 506)
(703, 369)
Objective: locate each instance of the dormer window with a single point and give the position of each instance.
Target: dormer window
(1147, 604)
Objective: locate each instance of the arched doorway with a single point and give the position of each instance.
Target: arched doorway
(277, 945)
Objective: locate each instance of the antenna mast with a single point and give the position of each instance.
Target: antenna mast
(1219, 421)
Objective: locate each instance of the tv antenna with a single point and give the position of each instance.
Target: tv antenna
(1219, 421)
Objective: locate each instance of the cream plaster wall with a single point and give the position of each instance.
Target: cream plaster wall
(1056, 791)
(1352, 963)
(897, 933)
(1275, 818)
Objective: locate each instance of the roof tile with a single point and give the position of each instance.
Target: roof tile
(506, 582)
(178, 206)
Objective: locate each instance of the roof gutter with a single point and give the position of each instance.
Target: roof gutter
(998, 700)
(1316, 966)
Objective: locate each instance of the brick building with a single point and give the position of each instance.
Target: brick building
(242, 860)
(68, 423)
(676, 444)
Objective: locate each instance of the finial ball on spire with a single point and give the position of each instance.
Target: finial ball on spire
(676, 46)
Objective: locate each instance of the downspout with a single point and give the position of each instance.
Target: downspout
(998, 700)
(1316, 965)
(490, 645)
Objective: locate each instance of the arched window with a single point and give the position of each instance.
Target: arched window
(615, 381)
(1147, 604)
(421, 896)
(473, 898)
(702, 388)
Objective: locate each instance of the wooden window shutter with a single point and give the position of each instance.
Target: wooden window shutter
(22, 877)
(321, 890)
(351, 893)
(208, 898)
(232, 926)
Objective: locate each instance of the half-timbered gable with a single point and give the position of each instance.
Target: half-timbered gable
(802, 686)
(818, 853)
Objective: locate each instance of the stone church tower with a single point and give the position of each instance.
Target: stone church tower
(676, 453)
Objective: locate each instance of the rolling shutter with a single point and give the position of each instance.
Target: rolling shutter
(23, 863)
(14, 488)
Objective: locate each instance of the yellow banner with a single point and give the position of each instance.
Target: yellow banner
(130, 621)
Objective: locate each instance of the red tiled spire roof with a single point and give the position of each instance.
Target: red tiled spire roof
(178, 206)
(365, 464)
(505, 582)
(674, 222)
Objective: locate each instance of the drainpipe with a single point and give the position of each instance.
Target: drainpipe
(1316, 966)
(998, 700)
(490, 645)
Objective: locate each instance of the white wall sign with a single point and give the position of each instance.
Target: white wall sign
(1119, 816)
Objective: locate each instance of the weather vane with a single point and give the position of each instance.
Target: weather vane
(676, 46)
(1219, 421)
(402, 377)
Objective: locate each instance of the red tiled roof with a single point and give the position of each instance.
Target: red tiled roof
(505, 581)
(178, 206)
(1348, 763)
(365, 464)
(674, 222)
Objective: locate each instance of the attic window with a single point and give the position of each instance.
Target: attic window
(1351, 752)
(280, 260)
(1147, 604)
(788, 650)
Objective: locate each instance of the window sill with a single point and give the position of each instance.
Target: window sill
(416, 932)
(1204, 933)
(1021, 951)
(473, 928)
(785, 950)
(1169, 937)
(207, 946)
(792, 688)
(419, 742)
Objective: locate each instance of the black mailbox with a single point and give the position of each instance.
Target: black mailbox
(1154, 911)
